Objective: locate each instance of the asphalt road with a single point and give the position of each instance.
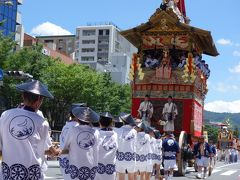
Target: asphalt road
(221, 172)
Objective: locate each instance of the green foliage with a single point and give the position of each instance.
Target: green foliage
(212, 132)
(69, 84)
(29, 60)
(236, 132)
(6, 46)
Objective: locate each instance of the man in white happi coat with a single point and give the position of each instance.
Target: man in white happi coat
(151, 154)
(24, 137)
(63, 159)
(127, 137)
(145, 110)
(81, 143)
(169, 115)
(142, 148)
(108, 145)
(158, 152)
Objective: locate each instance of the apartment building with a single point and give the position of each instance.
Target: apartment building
(64, 43)
(30, 41)
(98, 43)
(97, 46)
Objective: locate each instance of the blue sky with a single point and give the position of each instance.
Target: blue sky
(48, 17)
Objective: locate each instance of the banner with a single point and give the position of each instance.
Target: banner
(158, 41)
(181, 7)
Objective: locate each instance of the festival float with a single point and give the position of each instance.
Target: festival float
(169, 62)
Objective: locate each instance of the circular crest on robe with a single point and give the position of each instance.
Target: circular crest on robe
(85, 114)
(128, 135)
(21, 127)
(86, 140)
(170, 142)
(127, 118)
(35, 87)
(109, 143)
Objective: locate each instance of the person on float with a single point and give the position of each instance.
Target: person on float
(169, 114)
(81, 144)
(145, 110)
(170, 150)
(108, 145)
(142, 148)
(24, 137)
(73, 121)
(173, 4)
(127, 137)
(202, 152)
(148, 61)
(158, 152)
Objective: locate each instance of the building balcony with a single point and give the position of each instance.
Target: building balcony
(103, 37)
(102, 54)
(103, 45)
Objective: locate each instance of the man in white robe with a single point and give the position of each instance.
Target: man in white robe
(145, 110)
(142, 149)
(169, 114)
(127, 138)
(107, 145)
(63, 159)
(81, 142)
(24, 137)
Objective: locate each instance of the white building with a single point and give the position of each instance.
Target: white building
(101, 47)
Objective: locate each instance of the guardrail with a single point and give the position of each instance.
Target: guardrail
(55, 134)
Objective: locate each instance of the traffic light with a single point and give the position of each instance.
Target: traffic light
(14, 73)
(18, 74)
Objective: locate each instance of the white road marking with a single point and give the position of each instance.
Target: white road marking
(227, 173)
(216, 170)
(227, 165)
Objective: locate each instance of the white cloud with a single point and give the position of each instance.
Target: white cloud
(235, 69)
(223, 106)
(49, 29)
(236, 53)
(224, 41)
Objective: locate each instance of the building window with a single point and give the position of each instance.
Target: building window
(100, 32)
(48, 41)
(87, 58)
(88, 41)
(88, 50)
(103, 32)
(103, 42)
(89, 32)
